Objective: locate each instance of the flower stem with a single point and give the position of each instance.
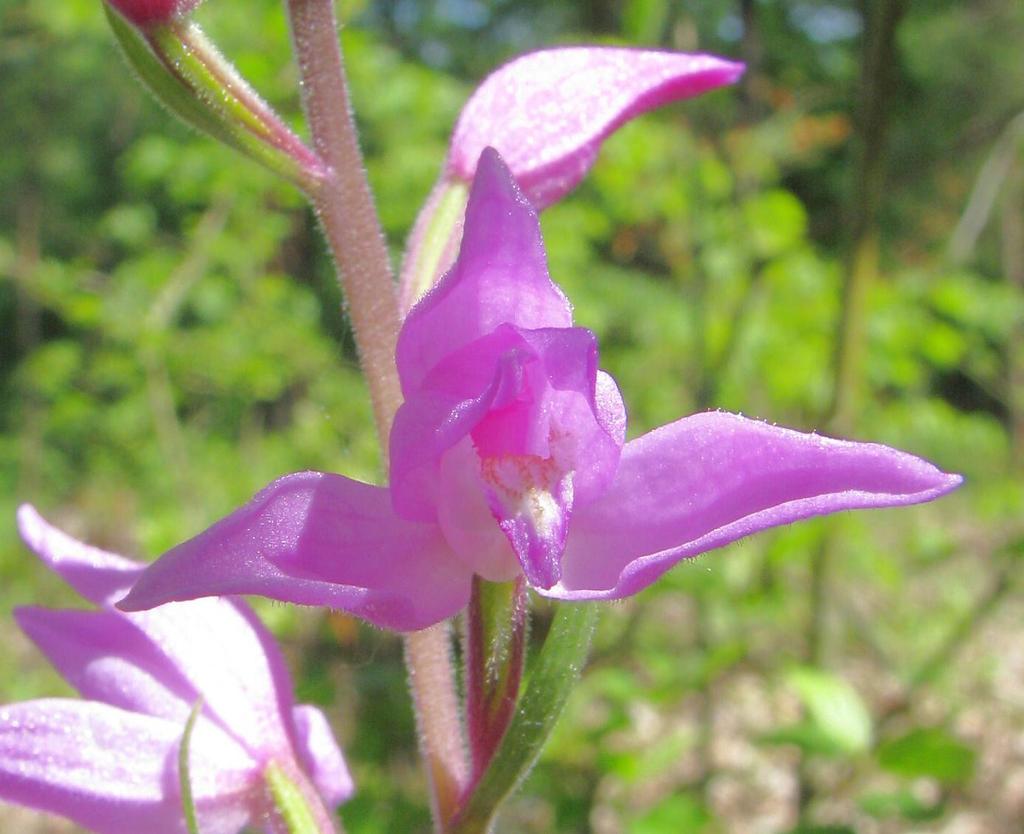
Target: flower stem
(349, 219)
(345, 205)
(431, 679)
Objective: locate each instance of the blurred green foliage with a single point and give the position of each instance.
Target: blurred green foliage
(171, 338)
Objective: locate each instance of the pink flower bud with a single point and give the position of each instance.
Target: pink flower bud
(146, 13)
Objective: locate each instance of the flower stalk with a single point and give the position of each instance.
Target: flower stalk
(350, 222)
(432, 683)
(345, 205)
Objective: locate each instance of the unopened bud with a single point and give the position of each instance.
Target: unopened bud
(147, 13)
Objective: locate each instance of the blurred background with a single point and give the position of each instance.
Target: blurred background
(837, 243)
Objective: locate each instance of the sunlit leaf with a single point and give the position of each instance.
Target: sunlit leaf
(928, 752)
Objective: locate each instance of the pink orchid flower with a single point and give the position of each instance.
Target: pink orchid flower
(110, 763)
(508, 456)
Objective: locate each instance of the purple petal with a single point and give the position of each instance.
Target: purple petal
(709, 479)
(453, 398)
(113, 771)
(224, 651)
(321, 757)
(99, 576)
(107, 659)
(317, 539)
(548, 112)
(542, 434)
(500, 277)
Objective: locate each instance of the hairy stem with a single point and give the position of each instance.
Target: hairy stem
(345, 207)
(431, 678)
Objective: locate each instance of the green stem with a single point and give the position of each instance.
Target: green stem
(188, 804)
(299, 807)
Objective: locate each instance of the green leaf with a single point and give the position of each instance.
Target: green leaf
(807, 736)
(680, 814)
(928, 752)
(834, 707)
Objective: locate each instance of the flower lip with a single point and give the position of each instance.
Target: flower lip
(531, 499)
